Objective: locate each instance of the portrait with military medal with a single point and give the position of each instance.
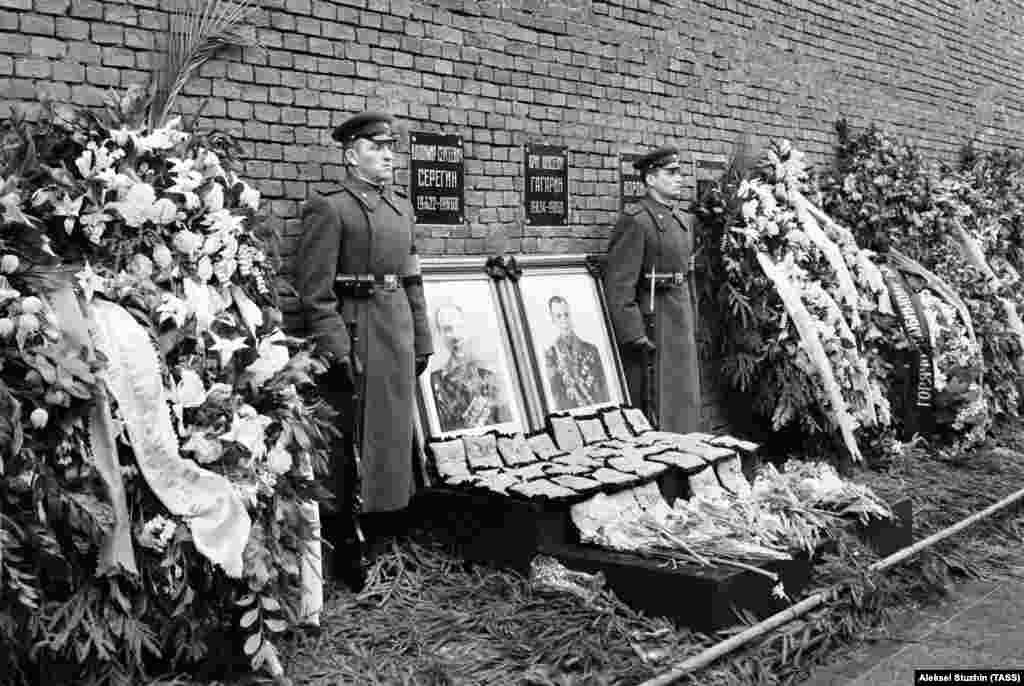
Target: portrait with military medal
(470, 385)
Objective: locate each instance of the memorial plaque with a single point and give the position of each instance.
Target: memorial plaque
(546, 186)
(631, 182)
(436, 178)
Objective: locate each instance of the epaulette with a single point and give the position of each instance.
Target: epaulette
(633, 209)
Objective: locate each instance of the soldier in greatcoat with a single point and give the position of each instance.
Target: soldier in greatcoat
(650, 292)
(357, 262)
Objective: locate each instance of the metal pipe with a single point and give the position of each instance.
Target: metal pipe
(716, 651)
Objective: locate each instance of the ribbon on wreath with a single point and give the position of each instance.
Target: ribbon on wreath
(213, 510)
(116, 550)
(915, 324)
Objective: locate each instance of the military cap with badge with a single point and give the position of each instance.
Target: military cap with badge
(374, 126)
(665, 157)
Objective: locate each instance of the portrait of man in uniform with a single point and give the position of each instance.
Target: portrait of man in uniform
(571, 339)
(572, 365)
(470, 385)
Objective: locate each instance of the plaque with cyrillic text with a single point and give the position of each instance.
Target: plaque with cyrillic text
(546, 190)
(631, 182)
(436, 178)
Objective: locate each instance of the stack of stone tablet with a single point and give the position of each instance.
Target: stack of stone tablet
(580, 456)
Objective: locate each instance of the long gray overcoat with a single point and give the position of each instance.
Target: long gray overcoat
(363, 229)
(649, 233)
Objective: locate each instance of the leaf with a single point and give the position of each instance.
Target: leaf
(275, 625)
(247, 599)
(270, 603)
(253, 643)
(249, 617)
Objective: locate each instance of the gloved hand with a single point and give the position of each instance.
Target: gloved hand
(421, 363)
(342, 376)
(643, 345)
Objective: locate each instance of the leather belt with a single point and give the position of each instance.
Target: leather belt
(667, 280)
(365, 285)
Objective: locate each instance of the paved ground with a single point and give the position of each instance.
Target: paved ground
(980, 626)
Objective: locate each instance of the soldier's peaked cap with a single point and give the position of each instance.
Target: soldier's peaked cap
(376, 126)
(665, 157)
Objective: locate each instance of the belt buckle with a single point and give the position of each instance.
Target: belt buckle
(391, 282)
(678, 278)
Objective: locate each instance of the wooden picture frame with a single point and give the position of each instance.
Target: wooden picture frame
(564, 318)
(474, 381)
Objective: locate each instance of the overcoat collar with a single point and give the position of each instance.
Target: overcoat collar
(369, 194)
(663, 214)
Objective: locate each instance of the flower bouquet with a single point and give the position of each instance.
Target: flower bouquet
(158, 445)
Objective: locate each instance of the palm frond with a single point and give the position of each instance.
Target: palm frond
(197, 34)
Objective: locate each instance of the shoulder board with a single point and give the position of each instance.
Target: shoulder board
(633, 209)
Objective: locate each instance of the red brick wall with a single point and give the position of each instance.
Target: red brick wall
(600, 77)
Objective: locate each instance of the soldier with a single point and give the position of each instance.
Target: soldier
(357, 262)
(648, 281)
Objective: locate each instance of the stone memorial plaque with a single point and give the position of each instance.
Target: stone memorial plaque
(631, 182)
(436, 178)
(546, 185)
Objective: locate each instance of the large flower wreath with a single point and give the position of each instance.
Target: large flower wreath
(157, 444)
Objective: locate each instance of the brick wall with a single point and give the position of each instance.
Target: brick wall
(599, 77)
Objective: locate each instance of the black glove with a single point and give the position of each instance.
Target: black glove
(421, 363)
(642, 345)
(341, 376)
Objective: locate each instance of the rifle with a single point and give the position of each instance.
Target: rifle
(650, 370)
(353, 565)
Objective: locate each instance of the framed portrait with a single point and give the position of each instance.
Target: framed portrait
(472, 383)
(568, 331)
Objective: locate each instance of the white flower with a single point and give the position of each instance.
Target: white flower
(141, 266)
(94, 224)
(157, 533)
(187, 242)
(279, 460)
(90, 282)
(180, 166)
(96, 159)
(223, 220)
(163, 138)
(189, 392)
(204, 270)
(250, 197)
(213, 243)
(205, 449)
(225, 269)
(162, 256)
(214, 198)
(173, 308)
(137, 204)
(230, 248)
(248, 429)
(121, 136)
(68, 208)
(209, 160)
(272, 358)
(116, 182)
(163, 212)
(187, 184)
(226, 347)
